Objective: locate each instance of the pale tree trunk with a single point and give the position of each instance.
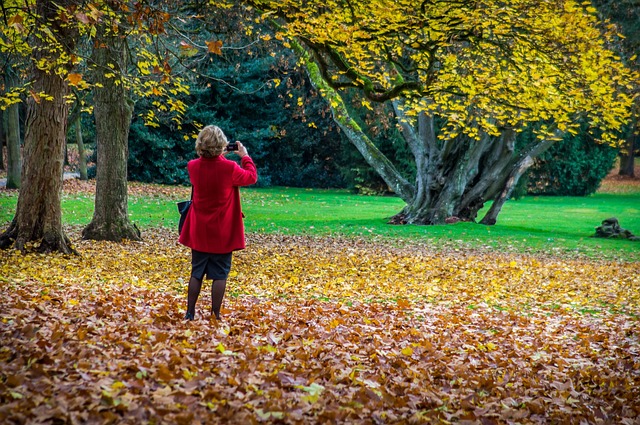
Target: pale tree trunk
(112, 111)
(38, 216)
(82, 155)
(454, 177)
(12, 137)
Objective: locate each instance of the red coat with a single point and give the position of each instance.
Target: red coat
(214, 222)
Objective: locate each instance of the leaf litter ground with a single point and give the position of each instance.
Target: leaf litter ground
(318, 330)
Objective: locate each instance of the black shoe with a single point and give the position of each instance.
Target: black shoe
(189, 316)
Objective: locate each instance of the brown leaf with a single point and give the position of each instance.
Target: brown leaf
(214, 46)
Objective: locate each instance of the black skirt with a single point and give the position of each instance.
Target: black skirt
(215, 266)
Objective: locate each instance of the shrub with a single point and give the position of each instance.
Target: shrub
(573, 167)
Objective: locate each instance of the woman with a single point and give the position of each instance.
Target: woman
(213, 228)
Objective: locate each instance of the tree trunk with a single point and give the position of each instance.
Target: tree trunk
(12, 126)
(38, 215)
(376, 159)
(491, 217)
(520, 167)
(112, 111)
(82, 155)
(627, 157)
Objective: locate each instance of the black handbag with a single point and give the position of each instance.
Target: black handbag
(183, 209)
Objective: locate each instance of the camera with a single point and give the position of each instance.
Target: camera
(232, 146)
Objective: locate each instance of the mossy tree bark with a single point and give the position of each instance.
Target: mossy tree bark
(112, 111)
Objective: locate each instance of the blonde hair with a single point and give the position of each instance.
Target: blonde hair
(211, 142)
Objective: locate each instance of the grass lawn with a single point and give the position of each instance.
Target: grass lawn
(534, 223)
(557, 225)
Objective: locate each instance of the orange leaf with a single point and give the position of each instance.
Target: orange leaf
(15, 19)
(214, 47)
(164, 373)
(74, 79)
(16, 22)
(35, 96)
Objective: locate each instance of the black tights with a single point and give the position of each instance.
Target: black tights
(218, 287)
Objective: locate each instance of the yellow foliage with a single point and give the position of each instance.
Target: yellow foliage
(504, 64)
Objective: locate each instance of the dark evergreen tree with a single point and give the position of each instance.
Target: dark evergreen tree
(255, 92)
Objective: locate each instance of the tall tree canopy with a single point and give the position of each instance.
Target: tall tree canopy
(483, 63)
(464, 78)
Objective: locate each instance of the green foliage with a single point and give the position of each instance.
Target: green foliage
(282, 126)
(157, 155)
(574, 166)
(626, 15)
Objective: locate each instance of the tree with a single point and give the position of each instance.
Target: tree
(123, 67)
(38, 213)
(112, 110)
(464, 78)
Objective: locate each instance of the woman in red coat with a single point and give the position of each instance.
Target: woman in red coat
(213, 228)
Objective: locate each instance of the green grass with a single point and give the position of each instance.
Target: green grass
(539, 224)
(556, 225)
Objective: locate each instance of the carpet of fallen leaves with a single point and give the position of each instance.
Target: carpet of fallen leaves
(318, 330)
(615, 183)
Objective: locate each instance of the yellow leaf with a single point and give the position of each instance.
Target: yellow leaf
(407, 351)
(118, 385)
